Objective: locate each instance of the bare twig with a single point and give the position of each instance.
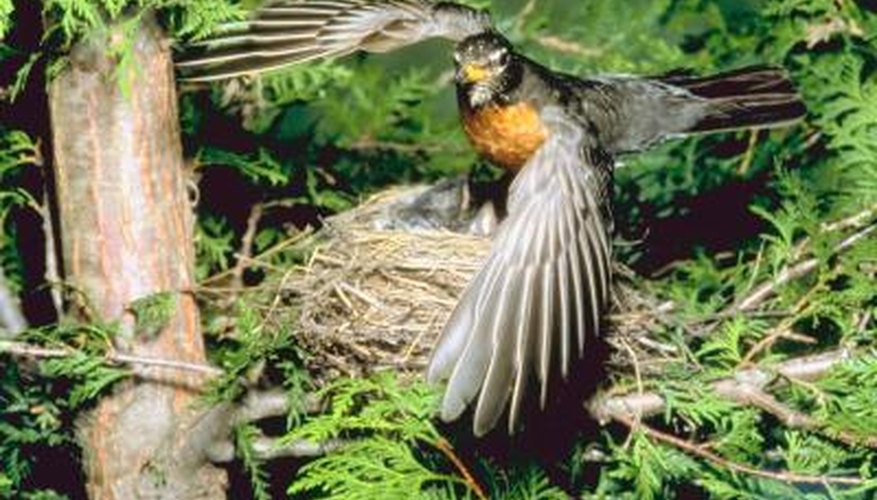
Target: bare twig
(725, 315)
(750, 152)
(782, 331)
(640, 388)
(279, 247)
(53, 266)
(246, 252)
(746, 388)
(30, 351)
(368, 144)
(656, 346)
(798, 420)
(446, 448)
(754, 379)
(702, 452)
(524, 14)
(275, 403)
(799, 270)
(260, 405)
(211, 434)
(854, 221)
(568, 47)
(267, 448)
(862, 323)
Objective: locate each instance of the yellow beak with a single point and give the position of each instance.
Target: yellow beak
(473, 73)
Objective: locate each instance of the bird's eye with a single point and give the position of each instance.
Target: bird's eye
(500, 57)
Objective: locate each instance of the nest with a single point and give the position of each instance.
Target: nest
(378, 284)
(376, 299)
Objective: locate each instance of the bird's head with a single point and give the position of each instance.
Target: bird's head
(486, 67)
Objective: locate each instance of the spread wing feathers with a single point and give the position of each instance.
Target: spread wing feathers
(283, 33)
(530, 309)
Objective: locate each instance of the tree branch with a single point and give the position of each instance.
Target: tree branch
(267, 448)
(30, 351)
(246, 252)
(275, 403)
(702, 452)
(277, 248)
(799, 270)
(528, 9)
(568, 47)
(798, 420)
(648, 404)
(53, 266)
(212, 436)
(746, 388)
(446, 448)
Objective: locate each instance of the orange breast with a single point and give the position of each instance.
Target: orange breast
(506, 135)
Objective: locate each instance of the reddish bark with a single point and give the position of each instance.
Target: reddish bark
(126, 233)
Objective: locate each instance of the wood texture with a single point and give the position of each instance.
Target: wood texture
(126, 233)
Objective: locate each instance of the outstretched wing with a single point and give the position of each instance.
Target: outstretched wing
(283, 33)
(541, 293)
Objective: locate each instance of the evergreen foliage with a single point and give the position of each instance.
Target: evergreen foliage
(311, 141)
(18, 151)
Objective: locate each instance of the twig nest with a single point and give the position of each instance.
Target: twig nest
(378, 299)
(379, 282)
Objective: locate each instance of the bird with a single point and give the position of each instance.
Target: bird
(527, 317)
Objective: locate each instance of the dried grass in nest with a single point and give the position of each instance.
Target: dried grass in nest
(378, 299)
(375, 299)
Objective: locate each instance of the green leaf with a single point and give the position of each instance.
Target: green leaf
(153, 312)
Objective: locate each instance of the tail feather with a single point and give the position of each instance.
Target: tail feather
(755, 96)
(757, 79)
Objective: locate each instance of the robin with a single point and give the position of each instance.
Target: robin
(530, 311)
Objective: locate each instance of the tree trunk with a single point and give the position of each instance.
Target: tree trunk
(126, 234)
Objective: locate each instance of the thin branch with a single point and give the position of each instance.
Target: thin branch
(246, 252)
(267, 448)
(799, 420)
(446, 448)
(30, 351)
(260, 405)
(368, 144)
(782, 331)
(799, 270)
(209, 435)
(524, 14)
(568, 47)
(53, 266)
(854, 221)
(750, 152)
(277, 248)
(647, 404)
(640, 388)
(275, 403)
(862, 324)
(702, 452)
(745, 388)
